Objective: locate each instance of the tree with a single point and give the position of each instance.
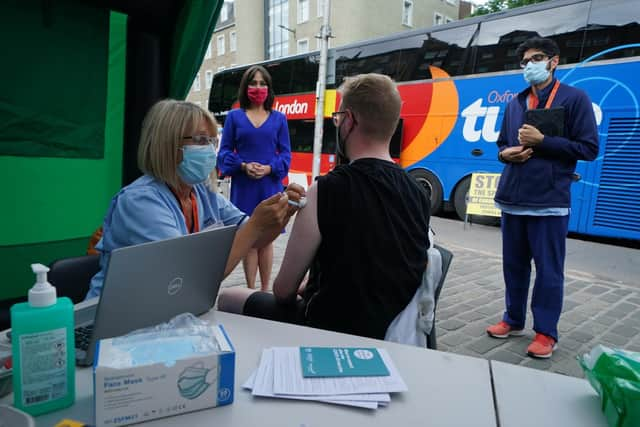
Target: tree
(499, 5)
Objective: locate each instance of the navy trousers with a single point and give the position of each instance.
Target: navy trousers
(543, 239)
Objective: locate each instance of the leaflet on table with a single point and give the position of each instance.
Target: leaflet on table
(356, 403)
(341, 362)
(261, 384)
(288, 380)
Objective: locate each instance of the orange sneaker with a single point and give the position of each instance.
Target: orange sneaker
(542, 346)
(503, 330)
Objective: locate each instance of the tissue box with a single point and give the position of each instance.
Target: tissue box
(134, 394)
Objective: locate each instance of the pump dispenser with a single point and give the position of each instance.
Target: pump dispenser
(42, 294)
(43, 349)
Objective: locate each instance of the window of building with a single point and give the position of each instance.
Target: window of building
(303, 11)
(232, 41)
(220, 45)
(407, 12)
(303, 46)
(224, 12)
(320, 8)
(208, 78)
(438, 18)
(278, 16)
(196, 83)
(207, 54)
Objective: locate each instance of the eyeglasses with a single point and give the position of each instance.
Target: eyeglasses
(202, 139)
(335, 115)
(535, 58)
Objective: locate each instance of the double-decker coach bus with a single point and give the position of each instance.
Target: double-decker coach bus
(456, 80)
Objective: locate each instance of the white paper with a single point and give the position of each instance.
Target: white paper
(261, 384)
(288, 379)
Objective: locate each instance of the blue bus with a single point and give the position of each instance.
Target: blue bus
(456, 80)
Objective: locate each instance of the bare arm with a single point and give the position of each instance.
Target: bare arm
(266, 223)
(303, 243)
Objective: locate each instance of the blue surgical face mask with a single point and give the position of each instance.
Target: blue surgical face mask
(536, 72)
(197, 163)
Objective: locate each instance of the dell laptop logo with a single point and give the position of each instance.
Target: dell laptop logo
(174, 286)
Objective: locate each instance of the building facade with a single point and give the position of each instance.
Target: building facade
(254, 30)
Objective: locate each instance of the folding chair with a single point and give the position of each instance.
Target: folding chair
(447, 257)
(72, 276)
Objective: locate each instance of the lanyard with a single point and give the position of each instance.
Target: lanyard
(195, 225)
(533, 98)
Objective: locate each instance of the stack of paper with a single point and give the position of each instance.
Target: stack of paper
(361, 377)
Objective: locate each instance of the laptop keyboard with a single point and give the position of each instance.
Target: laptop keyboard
(83, 337)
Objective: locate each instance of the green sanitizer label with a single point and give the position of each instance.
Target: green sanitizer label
(43, 361)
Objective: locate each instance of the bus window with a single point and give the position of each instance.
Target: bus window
(328, 137)
(613, 23)
(294, 75)
(305, 74)
(224, 91)
(498, 39)
(382, 58)
(444, 49)
(301, 136)
(396, 141)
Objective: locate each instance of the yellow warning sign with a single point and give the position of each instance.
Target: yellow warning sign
(481, 191)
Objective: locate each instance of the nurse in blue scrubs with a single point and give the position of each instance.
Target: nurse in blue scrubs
(177, 153)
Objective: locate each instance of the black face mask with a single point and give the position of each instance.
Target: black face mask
(341, 147)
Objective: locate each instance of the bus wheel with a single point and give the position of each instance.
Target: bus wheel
(432, 185)
(460, 204)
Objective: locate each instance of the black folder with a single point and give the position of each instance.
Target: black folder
(549, 121)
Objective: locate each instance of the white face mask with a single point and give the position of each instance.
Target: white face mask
(536, 72)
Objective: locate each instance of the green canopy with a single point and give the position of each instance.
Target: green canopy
(77, 78)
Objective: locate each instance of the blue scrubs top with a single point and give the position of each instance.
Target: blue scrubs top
(146, 210)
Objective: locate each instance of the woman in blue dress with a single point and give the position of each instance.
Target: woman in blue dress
(255, 151)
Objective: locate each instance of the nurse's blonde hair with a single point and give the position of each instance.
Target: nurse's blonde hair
(163, 129)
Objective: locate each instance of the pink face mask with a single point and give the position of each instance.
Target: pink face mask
(257, 95)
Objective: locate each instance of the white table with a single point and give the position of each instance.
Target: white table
(528, 397)
(444, 389)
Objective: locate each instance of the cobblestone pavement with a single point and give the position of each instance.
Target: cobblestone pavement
(596, 310)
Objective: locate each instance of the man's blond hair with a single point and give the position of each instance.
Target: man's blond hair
(163, 129)
(375, 100)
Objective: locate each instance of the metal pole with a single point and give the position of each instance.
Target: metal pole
(325, 34)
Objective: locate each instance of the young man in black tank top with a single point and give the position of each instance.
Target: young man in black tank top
(362, 234)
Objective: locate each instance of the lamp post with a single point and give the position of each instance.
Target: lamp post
(325, 34)
(288, 29)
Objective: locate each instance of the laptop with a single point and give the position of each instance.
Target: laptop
(150, 283)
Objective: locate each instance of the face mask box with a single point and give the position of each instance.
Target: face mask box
(134, 394)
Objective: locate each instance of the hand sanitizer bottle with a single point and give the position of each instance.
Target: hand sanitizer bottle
(43, 349)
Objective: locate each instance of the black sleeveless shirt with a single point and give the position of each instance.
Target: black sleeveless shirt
(373, 218)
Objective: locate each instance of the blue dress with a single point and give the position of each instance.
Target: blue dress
(267, 144)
